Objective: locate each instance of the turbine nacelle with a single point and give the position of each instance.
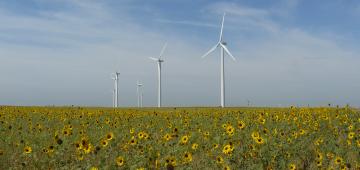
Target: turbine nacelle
(221, 43)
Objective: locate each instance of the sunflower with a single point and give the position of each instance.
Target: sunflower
(120, 161)
(146, 135)
(265, 131)
(84, 142)
(27, 149)
(259, 140)
(187, 157)
(67, 132)
(87, 149)
(319, 156)
(167, 137)
(319, 163)
(51, 148)
(228, 149)
(77, 145)
(227, 167)
(302, 132)
(194, 146)
(262, 120)
(109, 136)
(351, 135)
(171, 161)
(219, 160)
(184, 139)
(207, 133)
(241, 124)
(292, 166)
(104, 143)
(338, 160)
(133, 142)
(255, 135)
(230, 130)
(141, 135)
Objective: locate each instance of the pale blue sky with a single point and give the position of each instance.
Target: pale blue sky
(288, 51)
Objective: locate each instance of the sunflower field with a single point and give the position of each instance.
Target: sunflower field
(179, 138)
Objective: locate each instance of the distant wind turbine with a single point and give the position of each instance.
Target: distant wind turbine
(139, 93)
(116, 89)
(159, 61)
(222, 44)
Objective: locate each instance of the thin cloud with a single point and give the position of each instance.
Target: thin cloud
(191, 23)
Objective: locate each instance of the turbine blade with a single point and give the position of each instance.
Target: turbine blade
(222, 28)
(227, 51)
(162, 51)
(210, 51)
(152, 58)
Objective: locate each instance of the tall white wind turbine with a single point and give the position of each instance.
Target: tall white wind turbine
(159, 61)
(222, 44)
(116, 88)
(139, 93)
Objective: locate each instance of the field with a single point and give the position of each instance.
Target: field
(179, 138)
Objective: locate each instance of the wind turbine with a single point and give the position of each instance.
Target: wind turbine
(139, 93)
(159, 61)
(116, 87)
(222, 44)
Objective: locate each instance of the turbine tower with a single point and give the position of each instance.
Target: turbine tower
(139, 93)
(222, 44)
(116, 87)
(159, 61)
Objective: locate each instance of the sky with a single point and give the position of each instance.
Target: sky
(288, 52)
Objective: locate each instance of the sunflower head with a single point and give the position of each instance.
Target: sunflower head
(187, 157)
(184, 139)
(219, 160)
(120, 161)
(104, 143)
(109, 136)
(292, 166)
(27, 149)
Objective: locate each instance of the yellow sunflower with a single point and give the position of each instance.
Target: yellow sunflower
(292, 166)
(241, 124)
(27, 149)
(104, 143)
(259, 140)
(109, 136)
(120, 161)
(184, 139)
(351, 135)
(194, 146)
(187, 157)
(219, 160)
(338, 160)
